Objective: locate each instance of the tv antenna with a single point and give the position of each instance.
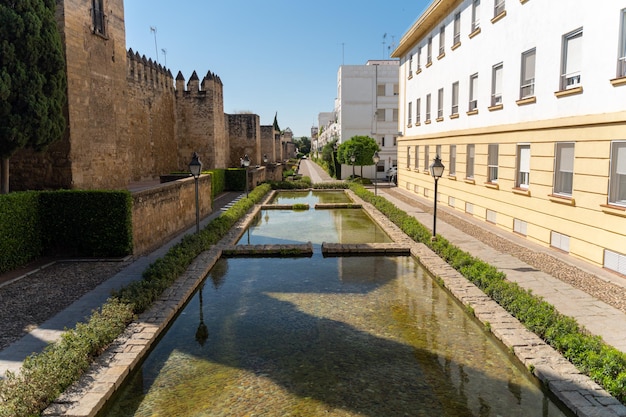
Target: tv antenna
(153, 29)
(164, 55)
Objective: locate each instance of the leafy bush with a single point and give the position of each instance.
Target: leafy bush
(603, 363)
(218, 181)
(20, 230)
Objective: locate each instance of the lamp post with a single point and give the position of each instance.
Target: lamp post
(245, 161)
(436, 170)
(195, 167)
(376, 159)
(352, 160)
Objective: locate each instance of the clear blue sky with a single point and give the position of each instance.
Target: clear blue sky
(274, 56)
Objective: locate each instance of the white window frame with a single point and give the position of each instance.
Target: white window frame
(621, 56)
(617, 179)
(418, 111)
(440, 104)
(410, 65)
(454, 108)
(442, 40)
(408, 157)
(520, 226)
(498, 7)
(571, 60)
(523, 166)
(473, 92)
(429, 51)
(527, 77)
(426, 156)
(452, 167)
(475, 15)
(417, 157)
(419, 58)
(470, 160)
(492, 162)
(428, 103)
(564, 155)
(381, 115)
(496, 84)
(457, 29)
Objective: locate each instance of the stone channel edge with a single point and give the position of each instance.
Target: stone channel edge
(579, 393)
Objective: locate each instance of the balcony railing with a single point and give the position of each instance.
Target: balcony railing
(570, 80)
(527, 90)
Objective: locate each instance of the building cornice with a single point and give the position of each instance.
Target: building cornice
(427, 21)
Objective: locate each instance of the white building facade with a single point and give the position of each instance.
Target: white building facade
(366, 105)
(525, 102)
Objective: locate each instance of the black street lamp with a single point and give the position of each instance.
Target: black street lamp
(436, 170)
(245, 162)
(195, 167)
(376, 159)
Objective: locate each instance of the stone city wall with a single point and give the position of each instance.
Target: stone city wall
(161, 212)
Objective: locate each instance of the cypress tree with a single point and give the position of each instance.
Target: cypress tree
(32, 79)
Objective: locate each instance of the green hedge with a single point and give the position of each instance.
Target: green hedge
(603, 363)
(218, 181)
(20, 226)
(87, 223)
(235, 179)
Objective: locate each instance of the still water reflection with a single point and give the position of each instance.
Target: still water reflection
(365, 336)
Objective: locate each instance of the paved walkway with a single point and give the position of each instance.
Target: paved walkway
(12, 357)
(310, 169)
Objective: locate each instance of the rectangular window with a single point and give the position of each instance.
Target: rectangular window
(523, 166)
(490, 216)
(492, 163)
(564, 168)
(496, 85)
(469, 208)
(469, 161)
(410, 65)
(559, 241)
(527, 83)
(395, 115)
(428, 107)
(396, 89)
(452, 167)
(572, 59)
(440, 104)
(455, 98)
(621, 58)
(426, 157)
(429, 52)
(451, 201)
(473, 94)
(409, 113)
(615, 261)
(98, 17)
(380, 115)
(442, 40)
(408, 157)
(498, 7)
(457, 28)
(438, 150)
(417, 157)
(380, 90)
(520, 226)
(617, 180)
(475, 14)
(418, 111)
(419, 58)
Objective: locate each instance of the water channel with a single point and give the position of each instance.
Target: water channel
(339, 336)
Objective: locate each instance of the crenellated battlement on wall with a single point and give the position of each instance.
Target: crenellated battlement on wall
(210, 83)
(148, 72)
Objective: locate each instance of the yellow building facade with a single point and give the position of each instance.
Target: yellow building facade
(528, 116)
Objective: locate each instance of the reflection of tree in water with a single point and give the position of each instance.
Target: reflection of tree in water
(218, 273)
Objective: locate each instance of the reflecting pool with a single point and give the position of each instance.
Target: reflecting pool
(310, 197)
(362, 336)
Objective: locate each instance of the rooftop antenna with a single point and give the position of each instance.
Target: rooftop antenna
(164, 55)
(153, 29)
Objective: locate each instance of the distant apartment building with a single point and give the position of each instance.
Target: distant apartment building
(366, 105)
(525, 102)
